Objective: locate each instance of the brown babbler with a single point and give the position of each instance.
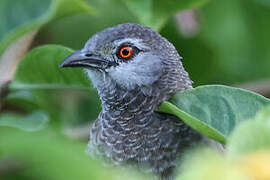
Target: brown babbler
(134, 70)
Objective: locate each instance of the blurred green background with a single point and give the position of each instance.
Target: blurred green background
(221, 42)
(230, 44)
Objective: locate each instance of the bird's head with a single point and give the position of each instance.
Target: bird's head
(133, 56)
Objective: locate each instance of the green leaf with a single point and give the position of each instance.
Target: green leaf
(215, 110)
(40, 70)
(232, 37)
(31, 122)
(251, 136)
(263, 2)
(20, 17)
(155, 13)
(66, 94)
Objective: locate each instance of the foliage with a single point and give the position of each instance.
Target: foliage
(35, 121)
(227, 50)
(39, 76)
(155, 13)
(212, 110)
(247, 155)
(215, 110)
(33, 14)
(251, 136)
(48, 155)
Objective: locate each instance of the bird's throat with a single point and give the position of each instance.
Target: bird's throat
(126, 110)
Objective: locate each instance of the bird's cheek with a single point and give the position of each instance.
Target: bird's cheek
(131, 78)
(123, 75)
(143, 70)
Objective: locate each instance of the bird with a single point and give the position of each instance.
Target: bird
(134, 70)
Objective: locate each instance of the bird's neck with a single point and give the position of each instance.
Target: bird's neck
(115, 98)
(123, 109)
(122, 106)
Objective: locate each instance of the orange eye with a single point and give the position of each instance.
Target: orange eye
(126, 52)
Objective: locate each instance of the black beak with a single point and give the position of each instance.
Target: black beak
(87, 60)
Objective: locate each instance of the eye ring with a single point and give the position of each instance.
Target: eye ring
(125, 52)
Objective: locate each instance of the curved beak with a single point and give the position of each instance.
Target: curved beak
(87, 60)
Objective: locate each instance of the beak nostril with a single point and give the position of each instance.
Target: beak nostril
(88, 55)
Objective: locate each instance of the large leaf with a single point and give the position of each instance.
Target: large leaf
(40, 70)
(215, 110)
(19, 17)
(66, 94)
(154, 13)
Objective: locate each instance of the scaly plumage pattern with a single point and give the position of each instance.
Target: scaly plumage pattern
(128, 129)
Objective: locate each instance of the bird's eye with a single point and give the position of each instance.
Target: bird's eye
(125, 52)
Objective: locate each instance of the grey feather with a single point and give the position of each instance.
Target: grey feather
(129, 130)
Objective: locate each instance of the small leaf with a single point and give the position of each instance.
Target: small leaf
(215, 110)
(31, 122)
(155, 13)
(20, 17)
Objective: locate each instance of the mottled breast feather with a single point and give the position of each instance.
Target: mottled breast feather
(129, 130)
